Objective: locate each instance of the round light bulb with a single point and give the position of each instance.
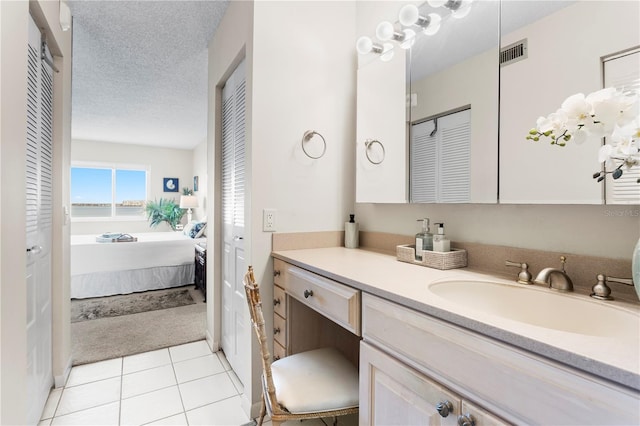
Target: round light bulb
(387, 52)
(409, 38)
(436, 3)
(408, 15)
(384, 30)
(364, 45)
(463, 10)
(434, 24)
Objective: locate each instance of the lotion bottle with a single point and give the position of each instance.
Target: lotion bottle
(351, 232)
(440, 241)
(424, 239)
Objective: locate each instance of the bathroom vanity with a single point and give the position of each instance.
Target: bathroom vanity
(427, 356)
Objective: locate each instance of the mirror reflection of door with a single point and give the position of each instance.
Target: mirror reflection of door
(622, 71)
(441, 159)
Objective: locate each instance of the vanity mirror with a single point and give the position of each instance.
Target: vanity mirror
(553, 49)
(433, 106)
(570, 47)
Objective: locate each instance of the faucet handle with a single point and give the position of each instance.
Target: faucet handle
(524, 277)
(563, 260)
(601, 290)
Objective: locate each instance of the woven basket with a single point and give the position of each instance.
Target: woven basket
(456, 258)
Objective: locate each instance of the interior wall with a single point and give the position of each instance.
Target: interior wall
(13, 38)
(200, 170)
(604, 231)
(162, 162)
(294, 83)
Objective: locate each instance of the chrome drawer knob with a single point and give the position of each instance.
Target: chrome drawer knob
(276, 302)
(466, 420)
(444, 408)
(308, 293)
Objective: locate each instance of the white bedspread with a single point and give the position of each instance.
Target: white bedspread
(156, 260)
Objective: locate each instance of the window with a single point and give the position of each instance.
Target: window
(104, 191)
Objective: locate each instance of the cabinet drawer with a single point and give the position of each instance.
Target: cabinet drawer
(335, 301)
(507, 381)
(279, 302)
(278, 351)
(279, 268)
(280, 330)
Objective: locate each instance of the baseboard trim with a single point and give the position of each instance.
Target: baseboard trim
(61, 380)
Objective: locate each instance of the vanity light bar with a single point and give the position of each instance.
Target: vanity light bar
(409, 16)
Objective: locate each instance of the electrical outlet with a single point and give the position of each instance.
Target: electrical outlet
(269, 220)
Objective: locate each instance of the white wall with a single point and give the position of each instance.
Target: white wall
(301, 71)
(162, 162)
(13, 94)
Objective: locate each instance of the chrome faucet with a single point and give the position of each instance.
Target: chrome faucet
(554, 278)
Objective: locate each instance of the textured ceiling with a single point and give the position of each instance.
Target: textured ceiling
(140, 70)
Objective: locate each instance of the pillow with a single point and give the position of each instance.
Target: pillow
(197, 229)
(187, 229)
(201, 233)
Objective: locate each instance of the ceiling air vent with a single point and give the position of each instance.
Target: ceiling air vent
(513, 53)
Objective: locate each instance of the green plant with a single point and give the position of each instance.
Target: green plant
(164, 210)
(187, 191)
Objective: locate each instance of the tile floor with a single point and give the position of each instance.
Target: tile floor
(181, 385)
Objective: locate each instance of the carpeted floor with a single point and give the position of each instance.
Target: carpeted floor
(112, 337)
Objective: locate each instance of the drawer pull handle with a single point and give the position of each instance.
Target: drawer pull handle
(276, 357)
(276, 302)
(444, 408)
(466, 420)
(276, 273)
(276, 330)
(308, 293)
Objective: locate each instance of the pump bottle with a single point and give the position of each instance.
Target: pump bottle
(424, 239)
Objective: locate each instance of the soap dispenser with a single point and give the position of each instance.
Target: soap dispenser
(424, 239)
(440, 241)
(351, 232)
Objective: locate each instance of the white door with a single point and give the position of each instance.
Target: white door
(38, 226)
(235, 320)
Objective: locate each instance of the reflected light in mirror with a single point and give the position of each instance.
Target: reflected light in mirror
(409, 15)
(463, 10)
(409, 39)
(387, 53)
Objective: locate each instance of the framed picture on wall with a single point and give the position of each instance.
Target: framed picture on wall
(195, 183)
(170, 185)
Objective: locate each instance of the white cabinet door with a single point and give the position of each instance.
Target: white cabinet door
(393, 394)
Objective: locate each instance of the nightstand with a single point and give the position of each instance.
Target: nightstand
(200, 276)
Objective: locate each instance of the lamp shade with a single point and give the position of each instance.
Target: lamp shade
(188, 201)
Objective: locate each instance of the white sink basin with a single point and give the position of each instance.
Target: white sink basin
(542, 307)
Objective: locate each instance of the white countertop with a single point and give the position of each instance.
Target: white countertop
(384, 276)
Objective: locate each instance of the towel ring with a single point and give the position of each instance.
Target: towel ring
(367, 144)
(308, 135)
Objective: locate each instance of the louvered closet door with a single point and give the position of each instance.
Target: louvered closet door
(39, 174)
(235, 322)
(441, 159)
(623, 72)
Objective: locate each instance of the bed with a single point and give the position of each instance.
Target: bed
(156, 260)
